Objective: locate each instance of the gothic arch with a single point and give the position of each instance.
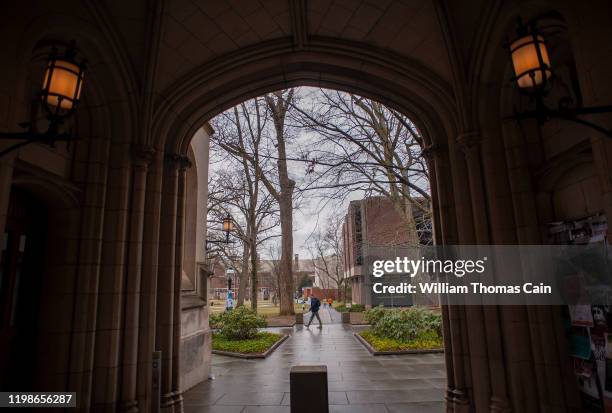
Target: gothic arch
(397, 82)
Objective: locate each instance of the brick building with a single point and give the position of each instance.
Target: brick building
(372, 223)
(303, 273)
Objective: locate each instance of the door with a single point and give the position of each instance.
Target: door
(21, 267)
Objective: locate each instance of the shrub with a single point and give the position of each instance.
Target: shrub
(425, 341)
(405, 324)
(342, 308)
(432, 322)
(241, 323)
(258, 344)
(374, 314)
(357, 308)
(216, 320)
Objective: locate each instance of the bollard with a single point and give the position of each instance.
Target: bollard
(308, 386)
(346, 318)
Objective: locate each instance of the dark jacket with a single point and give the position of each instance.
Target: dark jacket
(314, 304)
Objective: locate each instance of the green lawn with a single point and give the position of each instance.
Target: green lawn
(426, 341)
(259, 344)
(265, 308)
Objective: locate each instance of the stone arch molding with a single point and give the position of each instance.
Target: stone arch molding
(393, 80)
(54, 192)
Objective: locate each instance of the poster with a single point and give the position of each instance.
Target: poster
(581, 315)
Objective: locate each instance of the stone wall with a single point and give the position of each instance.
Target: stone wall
(195, 351)
(195, 346)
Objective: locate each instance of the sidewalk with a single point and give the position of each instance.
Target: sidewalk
(328, 316)
(358, 382)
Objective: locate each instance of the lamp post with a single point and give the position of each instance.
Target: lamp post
(229, 304)
(534, 77)
(227, 226)
(59, 96)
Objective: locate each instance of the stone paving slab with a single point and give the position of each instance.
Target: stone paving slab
(358, 382)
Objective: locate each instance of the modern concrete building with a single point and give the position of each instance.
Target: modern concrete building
(99, 274)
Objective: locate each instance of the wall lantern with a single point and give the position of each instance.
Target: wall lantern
(530, 60)
(534, 76)
(59, 96)
(62, 83)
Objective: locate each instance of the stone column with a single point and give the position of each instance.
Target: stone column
(107, 357)
(148, 289)
(554, 388)
(184, 163)
(486, 350)
(165, 285)
(141, 158)
(456, 391)
(83, 332)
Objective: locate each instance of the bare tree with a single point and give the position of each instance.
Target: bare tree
(256, 150)
(326, 250)
(360, 144)
(244, 126)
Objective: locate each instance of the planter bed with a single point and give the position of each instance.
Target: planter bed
(392, 351)
(354, 318)
(357, 319)
(280, 321)
(263, 344)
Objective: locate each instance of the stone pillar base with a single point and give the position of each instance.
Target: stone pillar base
(499, 405)
(457, 401)
(129, 406)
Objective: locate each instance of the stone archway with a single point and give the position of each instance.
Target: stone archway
(408, 88)
(160, 69)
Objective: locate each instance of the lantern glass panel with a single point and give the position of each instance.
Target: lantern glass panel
(64, 83)
(527, 66)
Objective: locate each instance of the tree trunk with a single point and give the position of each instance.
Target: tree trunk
(286, 264)
(254, 270)
(244, 272)
(279, 107)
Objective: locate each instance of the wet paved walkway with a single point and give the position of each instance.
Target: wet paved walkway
(357, 381)
(328, 316)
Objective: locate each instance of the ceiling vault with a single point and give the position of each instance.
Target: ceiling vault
(299, 22)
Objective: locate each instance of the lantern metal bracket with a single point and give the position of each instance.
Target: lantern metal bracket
(543, 114)
(221, 241)
(50, 137)
(538, 90)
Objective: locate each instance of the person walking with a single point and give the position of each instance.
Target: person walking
(315, 304)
